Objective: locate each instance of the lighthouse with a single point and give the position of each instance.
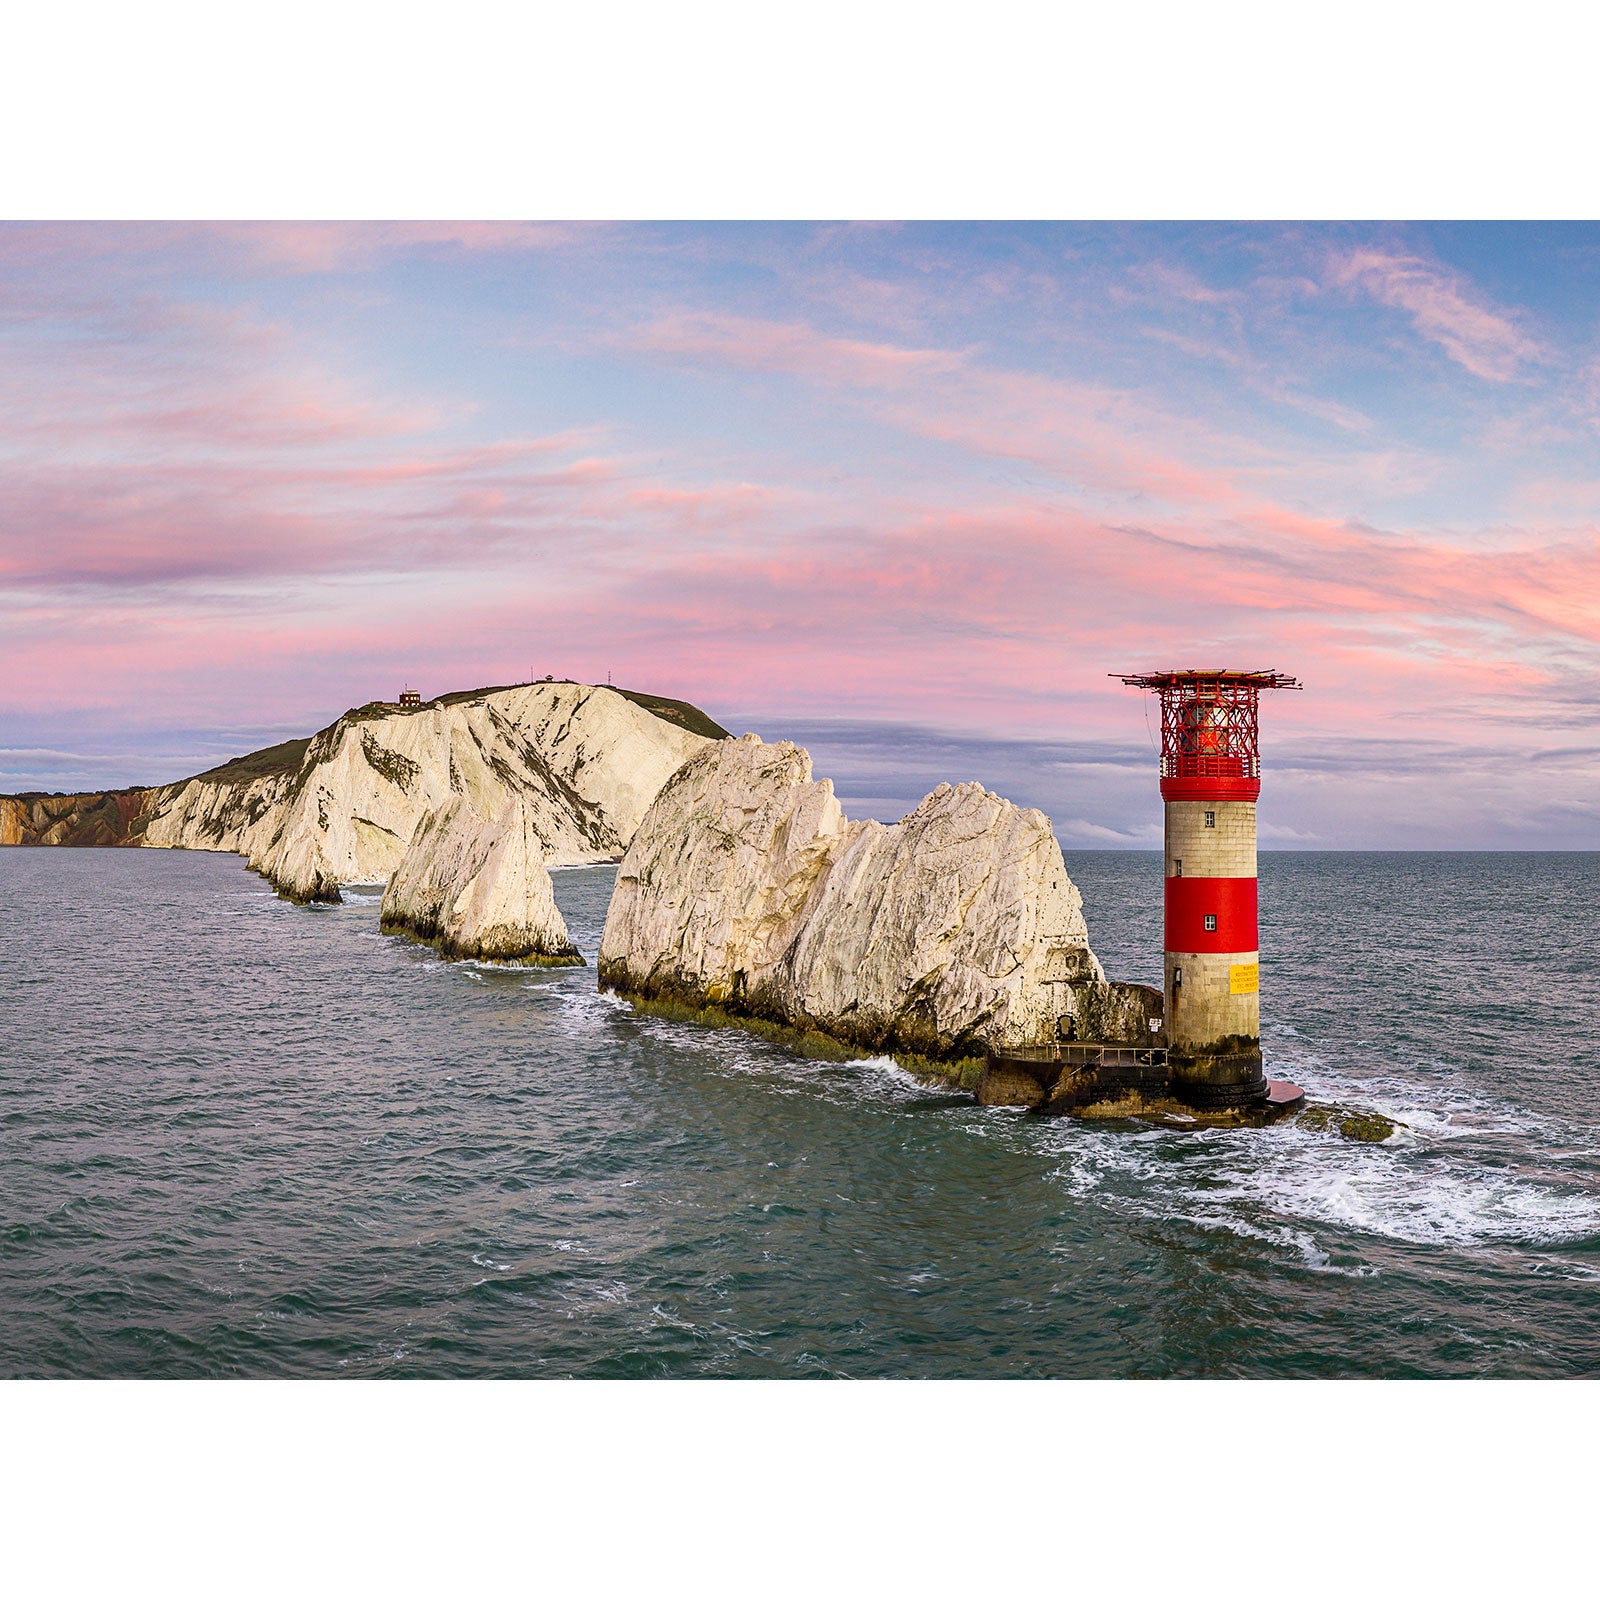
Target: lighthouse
(1210, 781)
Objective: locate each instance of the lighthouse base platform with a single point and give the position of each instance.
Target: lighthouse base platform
(1103, 1081)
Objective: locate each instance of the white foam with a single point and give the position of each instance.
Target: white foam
(1461, 1208)
(1415, 1195)
(1311, 1254)
(1471, 1174)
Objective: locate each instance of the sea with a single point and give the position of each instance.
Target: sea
(240, 1138)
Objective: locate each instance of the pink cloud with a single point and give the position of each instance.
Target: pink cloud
(277, 247)
(1443, 307)
(156, 378)
(604, 560)
(1176, 283)
(346, 246)
(761, 345)
(1004, 621)
(1087, 432)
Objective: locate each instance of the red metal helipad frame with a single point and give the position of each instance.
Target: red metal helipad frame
(1210, 742)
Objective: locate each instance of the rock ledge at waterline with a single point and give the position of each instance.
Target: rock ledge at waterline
(745, 888)
(478, 889)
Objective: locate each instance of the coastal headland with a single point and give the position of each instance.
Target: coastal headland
(341, 806)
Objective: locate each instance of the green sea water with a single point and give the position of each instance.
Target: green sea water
(242, 1138)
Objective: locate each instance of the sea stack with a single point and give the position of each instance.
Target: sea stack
(478, 889)
(1210, 782)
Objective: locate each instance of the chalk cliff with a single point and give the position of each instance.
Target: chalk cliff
(584, 761)
(478, 887)
(745, 887)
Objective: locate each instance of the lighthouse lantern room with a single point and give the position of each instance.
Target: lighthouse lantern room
(1210, 781)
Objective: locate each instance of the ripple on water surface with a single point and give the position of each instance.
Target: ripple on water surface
(242, 1137)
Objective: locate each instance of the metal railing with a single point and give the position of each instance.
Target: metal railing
(1196, 766)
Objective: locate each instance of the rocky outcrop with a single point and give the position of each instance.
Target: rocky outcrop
(710, 895)
(1363, 1126)
(955, 929)
(478, 888)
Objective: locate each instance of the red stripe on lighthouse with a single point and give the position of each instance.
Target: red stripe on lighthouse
(1232, 901)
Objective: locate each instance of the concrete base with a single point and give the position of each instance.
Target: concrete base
(1219, 1096)
(1215, 1082)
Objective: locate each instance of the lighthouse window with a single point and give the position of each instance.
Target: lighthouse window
(1211, 819)
(1177, 866)
(1211, 924)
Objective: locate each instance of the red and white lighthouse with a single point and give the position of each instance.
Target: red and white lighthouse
(1210, 781)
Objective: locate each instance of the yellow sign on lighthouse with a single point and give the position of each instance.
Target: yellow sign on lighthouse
(1244, 978)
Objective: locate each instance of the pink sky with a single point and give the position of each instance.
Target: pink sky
(933, 481)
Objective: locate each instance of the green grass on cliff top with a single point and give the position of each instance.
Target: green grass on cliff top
(283, 757)
(678, 712)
